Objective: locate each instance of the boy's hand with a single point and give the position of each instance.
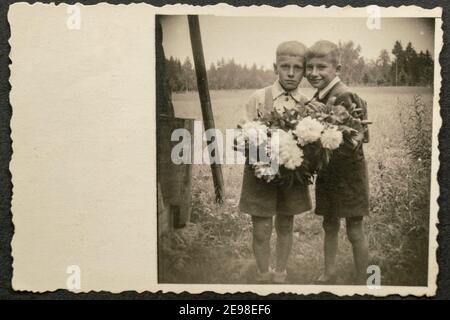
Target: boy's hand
(319, 106)
(320, 109)
(315, 106)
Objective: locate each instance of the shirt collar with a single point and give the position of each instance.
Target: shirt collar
(278, 90)
(322, 93)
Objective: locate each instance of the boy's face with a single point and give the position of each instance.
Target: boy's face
(290, 71)
(320, 71)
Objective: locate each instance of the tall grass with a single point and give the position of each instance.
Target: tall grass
(216, 246)
(400, 199)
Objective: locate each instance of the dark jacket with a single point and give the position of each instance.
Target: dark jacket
(342, 188)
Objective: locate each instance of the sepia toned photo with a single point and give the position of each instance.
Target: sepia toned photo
(225, 149)
(349, 203)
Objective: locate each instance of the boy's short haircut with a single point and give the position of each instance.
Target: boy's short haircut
(322, 49)
(291, 48)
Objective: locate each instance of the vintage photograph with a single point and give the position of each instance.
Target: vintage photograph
(224, 149)
(295, 150)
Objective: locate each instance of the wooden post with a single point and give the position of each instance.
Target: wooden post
(205, 100)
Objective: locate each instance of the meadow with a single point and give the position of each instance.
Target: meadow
(215, 247)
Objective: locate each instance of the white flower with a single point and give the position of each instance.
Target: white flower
(308, 130)
(331, 138)
(289, 153)
(254, 132)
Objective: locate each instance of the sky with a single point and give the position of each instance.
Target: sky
(253, 39)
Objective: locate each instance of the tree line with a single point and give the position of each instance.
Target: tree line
(223, 75)
(406, 68)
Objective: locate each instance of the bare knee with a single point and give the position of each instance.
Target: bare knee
(355, 231)
(262, 229)
(331, 225)
(284, 225)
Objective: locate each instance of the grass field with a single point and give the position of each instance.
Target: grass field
(216, 246)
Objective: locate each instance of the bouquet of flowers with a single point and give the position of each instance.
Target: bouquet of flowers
(306, 138)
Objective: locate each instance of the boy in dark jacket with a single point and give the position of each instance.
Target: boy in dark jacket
(342, 187)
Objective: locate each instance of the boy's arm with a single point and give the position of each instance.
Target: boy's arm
(250, 109)
(361, 104)
(357, 107)
(248, 113)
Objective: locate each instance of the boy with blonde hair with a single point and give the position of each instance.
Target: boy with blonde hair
(263, 200)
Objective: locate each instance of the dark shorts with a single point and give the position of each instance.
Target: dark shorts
(342, 189)
(262, 199)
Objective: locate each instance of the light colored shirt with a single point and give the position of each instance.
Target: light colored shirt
(324, 91)
(281, 99)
